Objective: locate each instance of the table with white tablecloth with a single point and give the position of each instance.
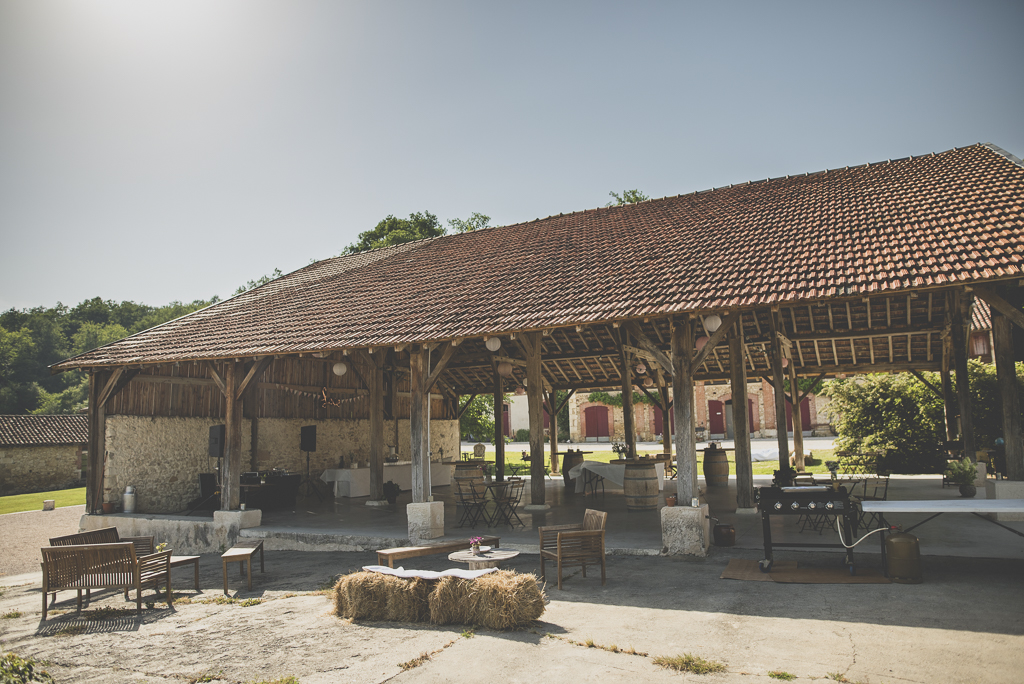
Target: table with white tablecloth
(613, 472)
(355, 482)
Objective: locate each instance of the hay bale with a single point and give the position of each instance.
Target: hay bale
(499, 600)
(375, 596)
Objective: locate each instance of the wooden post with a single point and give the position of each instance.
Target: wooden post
(627, 401)
(740, 420)
(417, 426)
(232, 468)
(666, 423)
(779, 391)
(948, 403)
(1006, 376)
(376, 388)
(798, 421)
(499, 425)
(553, 422)
(97, 418)
(963, 389)
(682, 391)
(535, 395)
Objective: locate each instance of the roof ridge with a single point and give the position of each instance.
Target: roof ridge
(1000, 151)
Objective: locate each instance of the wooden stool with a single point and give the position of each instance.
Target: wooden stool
(242, 553)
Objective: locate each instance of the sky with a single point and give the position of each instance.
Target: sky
(161, 151)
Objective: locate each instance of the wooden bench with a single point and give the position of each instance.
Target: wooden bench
(103, 566)
(242, 553)
(391, 555)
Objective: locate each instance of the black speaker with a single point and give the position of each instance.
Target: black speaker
(217, 433)
(307, 442)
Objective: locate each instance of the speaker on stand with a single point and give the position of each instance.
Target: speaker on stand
(307, 443)
(217, 436)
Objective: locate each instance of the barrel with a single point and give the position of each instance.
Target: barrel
(570, 460)
(640, 486)
(716, 467)
(469, 470)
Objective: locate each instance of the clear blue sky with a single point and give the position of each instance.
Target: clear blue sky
(155, 151)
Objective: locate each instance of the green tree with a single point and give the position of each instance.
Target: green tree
(475, 222)
(477, 423)
(94, 335)
(396, 231)
(627, 197)
(252, 284)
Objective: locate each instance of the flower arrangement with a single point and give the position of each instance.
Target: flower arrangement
(474, 544)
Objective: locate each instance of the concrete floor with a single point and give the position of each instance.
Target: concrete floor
(639, 533)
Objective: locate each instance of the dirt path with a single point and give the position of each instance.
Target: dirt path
(23, 534)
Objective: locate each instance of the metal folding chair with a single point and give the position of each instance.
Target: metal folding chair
(471, 499)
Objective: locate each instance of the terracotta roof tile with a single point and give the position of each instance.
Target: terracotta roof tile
(43, 430)
(873, 228)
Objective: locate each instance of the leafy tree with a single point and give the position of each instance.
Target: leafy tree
(475, 222)
(17, 368)
(396, 231)
(252, 284)
(477, 423)
(175, 309)
(627, 197)
(93, 335)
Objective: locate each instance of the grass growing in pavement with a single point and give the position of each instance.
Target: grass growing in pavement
(690, 663)
(779, 674)
(34, 502)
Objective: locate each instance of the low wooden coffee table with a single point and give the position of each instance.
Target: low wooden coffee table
(242, 553)
(488, 559)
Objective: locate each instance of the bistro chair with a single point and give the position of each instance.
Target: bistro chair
(472, 500)
(578, 544)
(872, 489)
(506, 500)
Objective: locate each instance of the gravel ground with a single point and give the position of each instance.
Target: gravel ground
(25, 533)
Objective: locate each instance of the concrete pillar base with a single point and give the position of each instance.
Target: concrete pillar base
(426, 520)
(685, 530)
(1005, 489)
(981, 481)
(379, 504)
(536, 508)
(747, 511)
(239, 519)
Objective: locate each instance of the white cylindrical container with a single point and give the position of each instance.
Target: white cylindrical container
(129, 499)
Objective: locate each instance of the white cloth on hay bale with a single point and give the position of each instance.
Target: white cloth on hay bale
(428, 574)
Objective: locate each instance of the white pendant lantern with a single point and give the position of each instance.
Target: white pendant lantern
(712, 323)
(785, 362)
(493, 343)
(641, 369)
(520, 391)
(505, 369)
(525, 384)
(648, 382)
(340, 368)
(701, 341)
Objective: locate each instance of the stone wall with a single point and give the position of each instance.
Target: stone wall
(162, 457)
(26, 469)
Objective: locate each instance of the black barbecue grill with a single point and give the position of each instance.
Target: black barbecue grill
(810, 501)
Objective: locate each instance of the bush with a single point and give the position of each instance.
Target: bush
(522, 435)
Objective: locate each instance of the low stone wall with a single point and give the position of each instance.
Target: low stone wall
(184, 535)
(39, 468)
(162, 457)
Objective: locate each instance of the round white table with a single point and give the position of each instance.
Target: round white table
(488, 559)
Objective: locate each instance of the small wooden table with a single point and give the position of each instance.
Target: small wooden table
(488, 559)
(179, 561)
(242, 553)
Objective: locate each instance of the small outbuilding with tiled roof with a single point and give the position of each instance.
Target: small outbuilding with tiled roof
(873, 268)
(41, 453)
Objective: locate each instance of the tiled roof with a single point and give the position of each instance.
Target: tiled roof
(981, 315)
(953, 217)
(42, 430)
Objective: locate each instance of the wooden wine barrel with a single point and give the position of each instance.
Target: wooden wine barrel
(640, 487)
(469, 470)
(716, 467)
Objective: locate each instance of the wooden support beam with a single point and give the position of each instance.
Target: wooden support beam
(713, 341)
(464, 407)
(108, 388)
(531, 343)
(780, 400)
(798, 422)
(741, 421)
(217, 379)
(255, 373)
(645, 343)
(377, 425)
(682, 391)
(1006, 377)
(553, 431)
(419, 425)
(963, 390)
(231, 464)
(499, 424)
(810, 390)
(97, 421)
(626, 373)
(442, 363)
(924, 381)
(948, 402)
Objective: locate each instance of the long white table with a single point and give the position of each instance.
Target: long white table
(939, 506)
(616, 472)
(355, 482)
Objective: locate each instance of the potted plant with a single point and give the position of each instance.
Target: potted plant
(963, 473)
(474, 545)
(391, 491)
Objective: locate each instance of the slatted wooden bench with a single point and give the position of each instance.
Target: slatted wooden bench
(391, 555)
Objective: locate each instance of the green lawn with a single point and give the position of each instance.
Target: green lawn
(34, 501)
(816, 464)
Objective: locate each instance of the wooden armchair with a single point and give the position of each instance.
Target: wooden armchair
(574, 544)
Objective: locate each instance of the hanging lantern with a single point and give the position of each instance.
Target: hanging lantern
(712, 323)
(648, 382)
(785, 362)
(340, 368)
(641, 369)
(701, 341)
(520, 391)
(505, 369)
(492, 343)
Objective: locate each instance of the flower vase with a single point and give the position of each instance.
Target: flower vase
(475, 548)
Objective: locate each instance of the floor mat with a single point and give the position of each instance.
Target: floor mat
(789, 572)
